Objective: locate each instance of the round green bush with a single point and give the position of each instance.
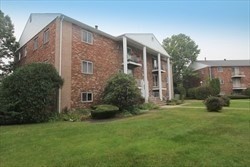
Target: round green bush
(121, 90)
(191, 93)
(29, 94)
(202, 92)
(104, 111)
(247, 92)
(213, 103)
(226, 100)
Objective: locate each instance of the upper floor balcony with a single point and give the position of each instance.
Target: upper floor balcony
(134, 61)
(237, 74)
(155, 69)
(156, 85)
(239, 86)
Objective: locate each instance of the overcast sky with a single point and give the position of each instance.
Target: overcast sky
(220, 28)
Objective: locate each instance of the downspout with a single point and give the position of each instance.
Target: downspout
(169, 80)
(210, 73)
(60, 64)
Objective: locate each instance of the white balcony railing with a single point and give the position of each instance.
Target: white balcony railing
(238, 74)
(239, 86)
(133, 58)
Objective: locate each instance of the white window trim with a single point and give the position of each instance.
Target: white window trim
(25, 51)
(87, 37)
(35, 41)
(221, 81)
(220, 68)
(87, 93)
(88, 62)
(44, 35)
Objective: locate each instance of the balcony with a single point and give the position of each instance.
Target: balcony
(155, 69)
(238, 74)
(156, 85)
(239, 86)
(134, 61)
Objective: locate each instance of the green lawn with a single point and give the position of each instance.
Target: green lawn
(166, 137)
(233, 103)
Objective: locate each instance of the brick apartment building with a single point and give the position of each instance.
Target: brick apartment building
(86, 58)
(234, 75)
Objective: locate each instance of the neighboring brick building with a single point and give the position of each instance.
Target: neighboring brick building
(86, 58)
(234, 75)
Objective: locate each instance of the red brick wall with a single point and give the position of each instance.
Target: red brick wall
(226, 76)
(107, 60)
(44, 52)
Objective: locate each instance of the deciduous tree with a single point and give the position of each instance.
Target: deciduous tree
(183, 50)
(8, 44)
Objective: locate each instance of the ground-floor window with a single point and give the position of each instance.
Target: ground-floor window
(156, 93)
(86, 96)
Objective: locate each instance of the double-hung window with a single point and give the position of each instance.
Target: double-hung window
(87, 96)
(87, 37)
(35, 43)
(87, 67)
(46, 36)
(220, 69)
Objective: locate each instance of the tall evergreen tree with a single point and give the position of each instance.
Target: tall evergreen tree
(8, 44)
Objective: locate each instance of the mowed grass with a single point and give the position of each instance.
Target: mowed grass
(233, 103)
(166, 137)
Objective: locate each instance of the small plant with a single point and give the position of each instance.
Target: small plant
(247, 92)
(226, 101)
(148, 106)
(213, 103)
(203, 92)
(191, 93)
(104, 111)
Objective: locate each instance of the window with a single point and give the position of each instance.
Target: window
(130, 72)
(156, 93)
(220, 69)
(129, 51)
(155, 63)
(87, 97)
(87, 37)
(25, 51)
(19, 56)
(35, 43)
(155, 80)
(46, 36)
(221, 81)
(87, 67)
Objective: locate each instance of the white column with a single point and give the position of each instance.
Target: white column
(125, 55)
(159, 76)
(169, 80)
(145, 73)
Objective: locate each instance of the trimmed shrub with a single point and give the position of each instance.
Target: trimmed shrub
(213, 103)
(247, 92)
(148, 106)
(29, 94)
(202, 92)
(182, 92)
(191, 93)
(226, 101)
(238, 97)
(121, 90)
(104, 111)
(215, 85)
